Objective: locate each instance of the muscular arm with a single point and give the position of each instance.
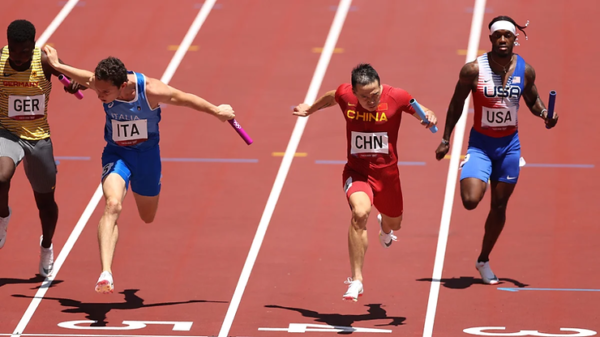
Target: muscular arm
(81, 76)
(530, 93)
(158, 92)
(323, 102)
(466, 80)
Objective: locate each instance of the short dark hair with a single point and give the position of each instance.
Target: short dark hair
(21, 31)
(509, 19)
(111, 69)
(364, 74)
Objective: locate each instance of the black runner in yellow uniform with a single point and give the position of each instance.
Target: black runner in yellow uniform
(24, 131)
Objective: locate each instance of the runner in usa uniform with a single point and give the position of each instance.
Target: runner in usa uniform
(131, 102)
(25, 86)
(373, 113)
(497, 80)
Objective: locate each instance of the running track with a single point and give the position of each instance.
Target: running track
(259, 57)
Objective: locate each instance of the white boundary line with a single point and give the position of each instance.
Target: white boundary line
(457, 142)
(311, 96)
(175, 61)
(60, 17)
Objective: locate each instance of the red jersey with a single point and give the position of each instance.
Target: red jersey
(372, 135)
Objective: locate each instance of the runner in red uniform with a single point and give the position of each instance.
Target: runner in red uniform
(373, 113)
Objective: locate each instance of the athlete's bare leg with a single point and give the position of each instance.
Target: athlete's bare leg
(494, 223)
(114, 190)
(357, 234)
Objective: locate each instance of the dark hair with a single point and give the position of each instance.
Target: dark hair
(111, 69)
(509, 19)
(364, 74)
(21, 31)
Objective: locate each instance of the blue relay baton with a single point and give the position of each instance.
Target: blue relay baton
(421, 113)
(551, 105)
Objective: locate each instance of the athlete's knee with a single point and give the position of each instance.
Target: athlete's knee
(4, 178)
(360, 203)
(6, 173)
(148, 218)
(360, 215)
(471, 192)
(113, 206)
(501, 193)
(45, 201)
(499, 205)
(395, 223)
(470, 203)
(470, 198)
(49, 208)
(146, 206)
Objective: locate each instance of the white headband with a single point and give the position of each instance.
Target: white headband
(503, 25)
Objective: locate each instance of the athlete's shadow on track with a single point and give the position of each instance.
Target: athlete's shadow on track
(36, 279)
(375, 312)
(465, 282)
(97, 311)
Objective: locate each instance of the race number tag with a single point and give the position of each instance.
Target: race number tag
(127, 133)
(369, 142)
(26, 107)
(498, 117)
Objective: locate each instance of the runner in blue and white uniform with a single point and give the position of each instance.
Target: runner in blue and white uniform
(132, 153)
(497, 80)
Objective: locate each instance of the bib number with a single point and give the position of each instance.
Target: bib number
(26, 107)
(127, 133)
(498, 117)
(369, 142)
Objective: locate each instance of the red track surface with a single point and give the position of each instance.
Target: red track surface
(257, 56)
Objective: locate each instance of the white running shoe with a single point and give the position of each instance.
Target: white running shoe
(46, 259)
(385, 239)
(487, 275)
(4, 228)
(355, 289)
(105, 283)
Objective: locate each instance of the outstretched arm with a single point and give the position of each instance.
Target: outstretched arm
(533, 100)
(159, 92)
(466, 79)
(83, 77)
(325, 101)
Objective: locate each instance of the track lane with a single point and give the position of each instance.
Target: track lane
(551, 213)
(298, 277)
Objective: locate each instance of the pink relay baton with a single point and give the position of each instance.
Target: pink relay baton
(65, 81)
(240, 131)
